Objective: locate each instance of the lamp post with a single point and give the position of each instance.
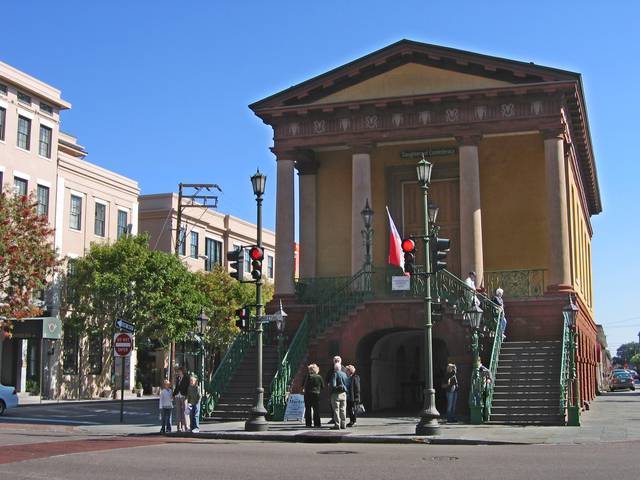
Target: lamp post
(573, 410)
(367, 234)
(257, 415)
(428, 424)
(202, 327)
(280, 318)
(474, 317)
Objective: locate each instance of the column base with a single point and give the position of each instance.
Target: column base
(257, 420)
(573, 416)
(476, 415)
(554, 289)
(428, 424)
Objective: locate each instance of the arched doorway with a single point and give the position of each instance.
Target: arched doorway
(391, 368)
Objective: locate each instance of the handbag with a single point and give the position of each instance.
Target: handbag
(360, 410)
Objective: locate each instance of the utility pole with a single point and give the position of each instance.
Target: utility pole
(204, 200)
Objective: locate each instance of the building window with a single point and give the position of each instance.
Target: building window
(45, 141)
(75, 215)
(100, 222)
(70, 352)
(43, 201)
(213, 252)
(3, 89)
(3, 121)
(195, 240)
(46, 108)
(24, 98)
(24, 132)
(182, 240)
(122, 223)
(95, 354)
(269, 266)
(21, 185)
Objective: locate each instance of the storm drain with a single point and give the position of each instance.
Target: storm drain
(441, 458)
(336, 452)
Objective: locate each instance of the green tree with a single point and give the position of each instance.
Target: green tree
(635, 360)
(626, 351)
(27, 258)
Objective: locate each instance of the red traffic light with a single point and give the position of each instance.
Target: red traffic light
(256, 253)
(408, 245)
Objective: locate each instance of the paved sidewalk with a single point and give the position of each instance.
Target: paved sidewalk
(26, 400)
(613, 417)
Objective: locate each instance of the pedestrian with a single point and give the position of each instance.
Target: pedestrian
(327, 381)
(166, 406)
(486, 381)
(312, 387)
(450, 386)
(338, 384)
(179, 394)
(353, 395)
(498, 300)
(193, 403)
(472, 298)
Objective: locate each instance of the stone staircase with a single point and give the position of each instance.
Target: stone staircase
(527, 384)
(240, 394)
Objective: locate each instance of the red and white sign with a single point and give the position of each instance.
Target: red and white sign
(122, 344)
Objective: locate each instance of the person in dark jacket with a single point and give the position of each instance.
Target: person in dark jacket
(180, 396)
(353, 395)
(451, 388)
(313, 385)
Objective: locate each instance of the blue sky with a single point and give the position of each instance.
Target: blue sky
(160, 88)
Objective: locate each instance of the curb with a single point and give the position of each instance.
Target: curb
(336, 438)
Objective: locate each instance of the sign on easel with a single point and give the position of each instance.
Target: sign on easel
(295, 408)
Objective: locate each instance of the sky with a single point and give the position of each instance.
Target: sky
(160, 89)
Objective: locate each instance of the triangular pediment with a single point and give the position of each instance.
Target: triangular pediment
(408, 68)
(409, 80)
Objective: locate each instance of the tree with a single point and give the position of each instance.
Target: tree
(635, 360)
(626, 351)
(27, 258)
(127, 280)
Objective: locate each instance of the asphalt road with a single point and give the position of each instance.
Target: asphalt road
(161, 459)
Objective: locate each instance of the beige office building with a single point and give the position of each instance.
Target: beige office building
(84, 203)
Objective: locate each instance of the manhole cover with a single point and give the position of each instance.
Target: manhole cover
(441, 458)
(336, 452)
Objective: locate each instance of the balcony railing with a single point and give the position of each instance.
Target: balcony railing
(516, 283)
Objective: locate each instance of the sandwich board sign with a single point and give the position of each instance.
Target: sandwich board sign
(295, 407)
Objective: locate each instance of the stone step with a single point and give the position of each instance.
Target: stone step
(526, 419)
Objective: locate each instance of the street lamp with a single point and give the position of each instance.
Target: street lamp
(367, 234)
(433, 213)
(257, 421)
(280, 318)
(428, 424)
(474, 318)
(202, 328)
(570, 312)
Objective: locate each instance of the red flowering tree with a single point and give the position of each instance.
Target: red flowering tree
(27, 258)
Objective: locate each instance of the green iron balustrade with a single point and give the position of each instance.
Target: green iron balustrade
(315, 290)
(340, 302)
(224, 373)
(516, 283)
(565, 366)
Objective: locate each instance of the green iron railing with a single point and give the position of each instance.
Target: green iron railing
(493, 365)
(342, 300)
(315, 290)
(223, 374)
(517, 283)
(565, 366)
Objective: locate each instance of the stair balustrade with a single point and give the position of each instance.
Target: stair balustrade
(344, 298)
(565, 366)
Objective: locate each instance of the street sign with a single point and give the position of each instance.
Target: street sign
(124, 325)
(122, 344)
(52, 328)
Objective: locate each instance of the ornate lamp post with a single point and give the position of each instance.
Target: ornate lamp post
(367, 234)
(573, 410)
(257, 415)
(280, 318)
(428, 424)
(202, 328)
(474, 317)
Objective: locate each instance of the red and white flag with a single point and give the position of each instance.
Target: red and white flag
(396, 256)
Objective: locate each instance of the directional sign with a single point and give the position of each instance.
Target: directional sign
(124, 325)
(122, 344)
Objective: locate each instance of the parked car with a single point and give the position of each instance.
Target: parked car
(620, 380)
(8, 398)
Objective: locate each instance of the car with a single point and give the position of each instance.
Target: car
(620, 380)
(8, 398)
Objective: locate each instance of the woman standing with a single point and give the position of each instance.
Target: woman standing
(353, 395)
(451, 388)
(312, 386)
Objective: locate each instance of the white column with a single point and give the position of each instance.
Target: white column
(470, 210)
(308, 221)
(284, 228)
(559, 251)
(360, 192)
(22, 372)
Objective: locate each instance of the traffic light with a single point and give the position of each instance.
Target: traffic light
(409, 249)
(243, 318)
(439, 250)
(236, 263)
(256, 254)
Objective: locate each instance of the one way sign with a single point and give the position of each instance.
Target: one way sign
(123, 325)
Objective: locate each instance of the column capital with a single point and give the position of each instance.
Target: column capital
(469, 140)
(308, 166)
(550, 133)
(295, 154)
(361, 146)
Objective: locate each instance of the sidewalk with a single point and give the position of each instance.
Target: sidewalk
(612, 418)
(27, 400)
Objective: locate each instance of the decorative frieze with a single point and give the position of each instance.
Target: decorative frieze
(458, 113)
